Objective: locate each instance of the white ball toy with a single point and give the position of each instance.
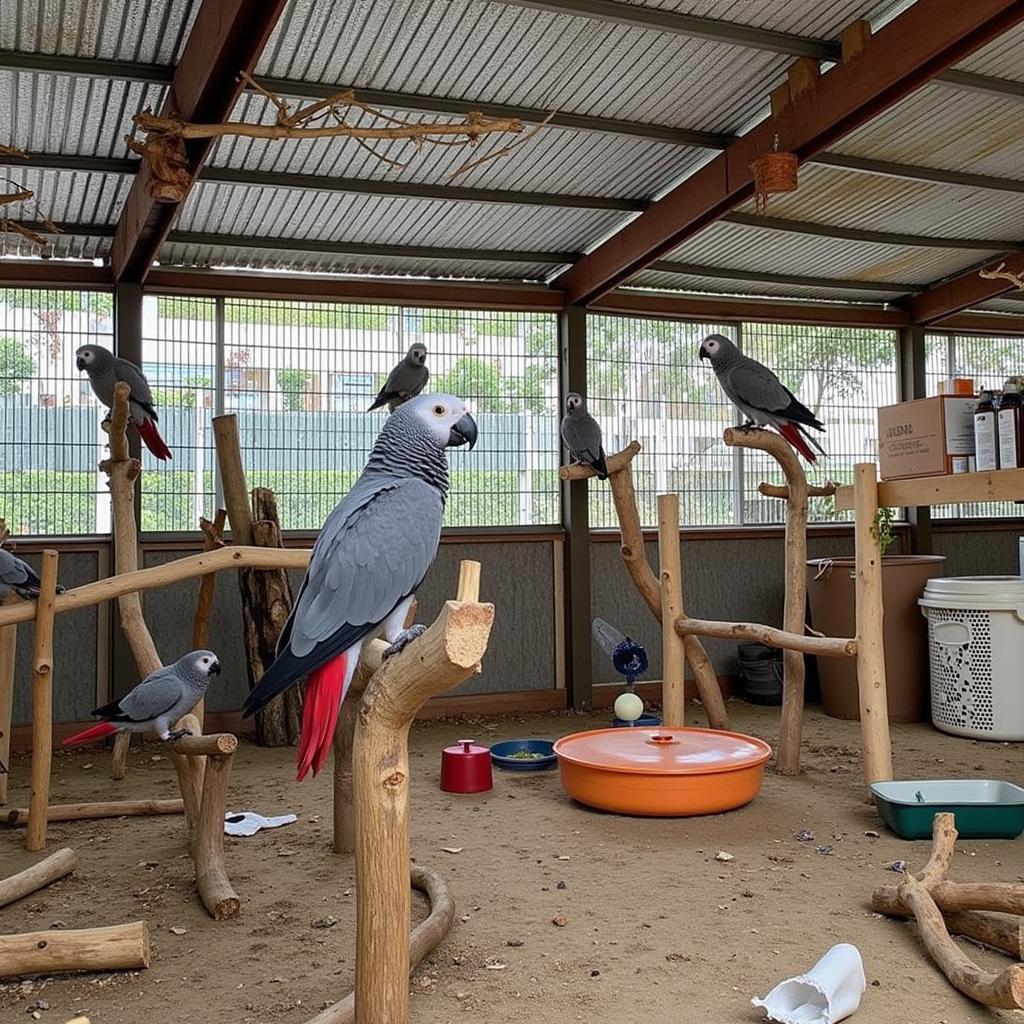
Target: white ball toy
(628, 707)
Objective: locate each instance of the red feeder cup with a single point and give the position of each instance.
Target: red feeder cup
(466, 768)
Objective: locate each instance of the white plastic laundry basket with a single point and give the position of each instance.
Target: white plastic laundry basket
(976, 651)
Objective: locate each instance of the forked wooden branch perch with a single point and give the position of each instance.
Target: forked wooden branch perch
(446, 654)
(920, 896)
(795, 493)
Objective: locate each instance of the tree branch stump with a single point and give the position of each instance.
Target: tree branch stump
(445, 655)
(266, 596)
(122, 947)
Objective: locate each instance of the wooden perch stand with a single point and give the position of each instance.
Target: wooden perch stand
(118, 948)
(446, 654)
(927, 895)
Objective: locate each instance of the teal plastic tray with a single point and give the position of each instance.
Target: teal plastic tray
(984, 808)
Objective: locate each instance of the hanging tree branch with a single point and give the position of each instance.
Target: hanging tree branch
(163, 148)
(16, 195)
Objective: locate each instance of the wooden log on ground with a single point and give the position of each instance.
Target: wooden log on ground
(791, 726)
(212, 881)
(213, 534)
(94, 811)
(186, 568)
(1004, 990)
(425, 938)
(121, 947)
(950, 897)
(42, 705)
(446, 654)
(1004, 932)
(41, 874)
(122, 471)
(8, 649)
(673, 654)
(831, 647)
(874, 707)
(263, 601)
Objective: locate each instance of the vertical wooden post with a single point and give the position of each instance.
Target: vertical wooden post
(572, 337)
(669, 572)
(8, 648)
(42, 705)
(913, 384)
(794, 621)
(213, 539)
(874, 709)
(444, 656)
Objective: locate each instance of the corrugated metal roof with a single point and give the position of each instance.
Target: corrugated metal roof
(692, 284)
(64, 247)
(186, 255)
(1004, 304)
(739, 247)
(384, 220)
(1002, 58)
(79, 116)
(945, 127)
(483, 52)
(553, 160)
(152, 32)
(75, 197)
(849, 199)
(800, 17)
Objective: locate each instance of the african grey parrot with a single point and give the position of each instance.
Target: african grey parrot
(405, 381)
(760, 395)
(20, 577)
(157, 702)
(582, 435)
(370, 558)
(105, 370)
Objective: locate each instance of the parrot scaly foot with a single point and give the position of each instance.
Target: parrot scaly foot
(404, 638)
(176, 734)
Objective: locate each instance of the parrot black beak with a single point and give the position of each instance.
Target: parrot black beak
(703, 353)
(464, 432)
(215, 669)
(80, 363)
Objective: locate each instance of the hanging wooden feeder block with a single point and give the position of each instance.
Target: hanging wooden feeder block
(773, 172)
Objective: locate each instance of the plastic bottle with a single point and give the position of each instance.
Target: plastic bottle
(1010, 419)
(986, 445)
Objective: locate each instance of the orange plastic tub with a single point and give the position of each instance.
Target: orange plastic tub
(662, 772)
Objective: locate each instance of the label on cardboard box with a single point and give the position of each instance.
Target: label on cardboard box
(921, 438)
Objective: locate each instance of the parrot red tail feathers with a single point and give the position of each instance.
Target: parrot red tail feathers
(152, 439)
(94, 732)
(791, 432)
(324, 693)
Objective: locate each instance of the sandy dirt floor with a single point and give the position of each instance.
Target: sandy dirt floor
(655, 929)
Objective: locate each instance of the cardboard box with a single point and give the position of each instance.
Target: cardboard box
(922, 438)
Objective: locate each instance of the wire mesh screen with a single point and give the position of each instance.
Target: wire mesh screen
(988, 359)
(842, 375)
(301, 376)
(50, 437)
(646, 383)
(179, 358)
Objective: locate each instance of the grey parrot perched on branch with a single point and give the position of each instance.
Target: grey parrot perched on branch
(20, 577)
(405, 381)
(582, 435)
(157, 702)
(760, 395)
(105, 370)
(370, 558)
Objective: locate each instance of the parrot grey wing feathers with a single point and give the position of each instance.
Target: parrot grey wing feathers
(758, 387)
(153, 697)
(136, 380)
(13, 570)
(350, 579)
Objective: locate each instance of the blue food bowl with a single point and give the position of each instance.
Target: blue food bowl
(644, 720)
(503, 755)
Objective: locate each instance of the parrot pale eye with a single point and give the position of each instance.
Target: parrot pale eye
(439, 410)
